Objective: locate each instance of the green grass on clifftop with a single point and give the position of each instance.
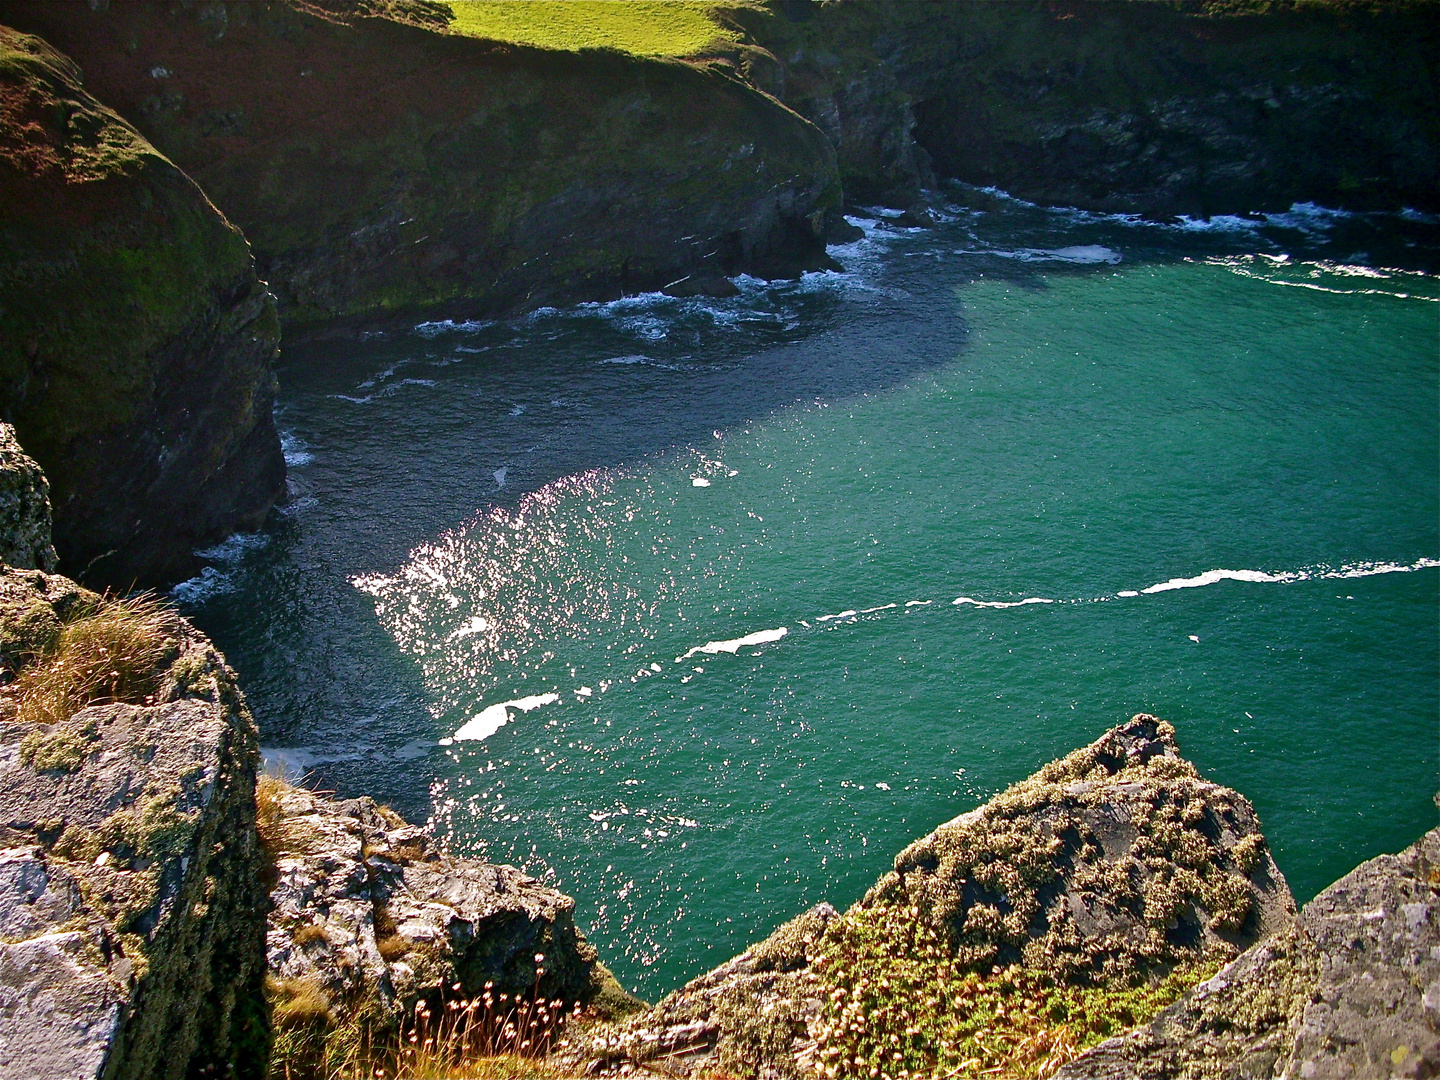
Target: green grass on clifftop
(638, 27)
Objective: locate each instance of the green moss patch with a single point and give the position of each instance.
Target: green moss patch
(637, 27)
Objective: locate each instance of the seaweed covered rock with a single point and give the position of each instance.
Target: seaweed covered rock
(383, 169)
(131, 934)
(135, 341)
(1352, 988)
(369, 918)
(24, 508)
(1067, 908)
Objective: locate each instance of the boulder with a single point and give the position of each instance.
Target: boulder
(1115, 870)
(24, 508)
(370, 915)
(136, 343)
(1351, 989)
(131, 926)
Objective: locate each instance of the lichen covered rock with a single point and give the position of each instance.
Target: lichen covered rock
(1093, 892)
(24, 508)
(135, 342)
(369, 918)
(1351, 989)
(131, 940)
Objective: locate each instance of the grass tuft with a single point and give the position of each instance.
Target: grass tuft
(112, 651)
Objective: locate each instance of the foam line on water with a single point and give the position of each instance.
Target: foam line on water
(493, 717)
(1001, 603)
(733, 645)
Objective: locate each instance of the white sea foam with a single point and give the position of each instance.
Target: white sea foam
(1286, 577)
(713, 648)
(1321, 276)
(492, 718)
(1211, 577)
(1082, 255)
(295, 451)
(1001, 603)
(918, 603)
(849, 613)
(385, 392)
(213, 580)
(699, 481)
(429, 330)
(477, 625)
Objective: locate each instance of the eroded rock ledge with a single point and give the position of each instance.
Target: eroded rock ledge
(369, 917)
(1106, 872)
(1352, 989)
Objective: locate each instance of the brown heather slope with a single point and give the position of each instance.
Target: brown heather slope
(135, 341)
(382, 169)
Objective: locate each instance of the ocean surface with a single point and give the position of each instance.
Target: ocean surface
(703, 609)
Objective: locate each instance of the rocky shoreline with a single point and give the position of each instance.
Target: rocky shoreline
(390, 169)
(163, 213)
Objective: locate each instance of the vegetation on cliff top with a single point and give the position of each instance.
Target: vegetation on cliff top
(638, 27)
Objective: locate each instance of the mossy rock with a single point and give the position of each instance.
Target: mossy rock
(135, 341)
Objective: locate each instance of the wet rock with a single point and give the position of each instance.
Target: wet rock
(370, 911)
(24, 508)
(1114, 864)
(1352, 989)
(131, 939)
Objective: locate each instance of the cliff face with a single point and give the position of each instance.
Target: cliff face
(131, 934)
(1196, 108)
(382, 169)
(135, 341)
(1351, 989)
(24, 508)
(1080, 900)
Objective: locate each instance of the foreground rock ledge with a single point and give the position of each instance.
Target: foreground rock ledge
(130, 874)
(1116, 864)
(1352, 989)
(369, 917)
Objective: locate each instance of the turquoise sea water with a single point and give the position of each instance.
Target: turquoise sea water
(774, 585)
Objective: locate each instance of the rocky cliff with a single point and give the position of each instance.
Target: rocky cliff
(24, 508)
(1351, 989)
(369, 919)
(1070, 906)
(382, 169)
(135, 341)
(131, 935)
(1195, 108)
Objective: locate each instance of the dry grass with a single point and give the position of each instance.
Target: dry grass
(278, 836)
(491, 1037)
(113, 652)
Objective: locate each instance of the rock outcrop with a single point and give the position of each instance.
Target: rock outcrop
(131, 935)
(383, 169)
(1109, 873)
(370, 917)
(135, 342)
(1351, 989)
(24, 508)
(1197, 108)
